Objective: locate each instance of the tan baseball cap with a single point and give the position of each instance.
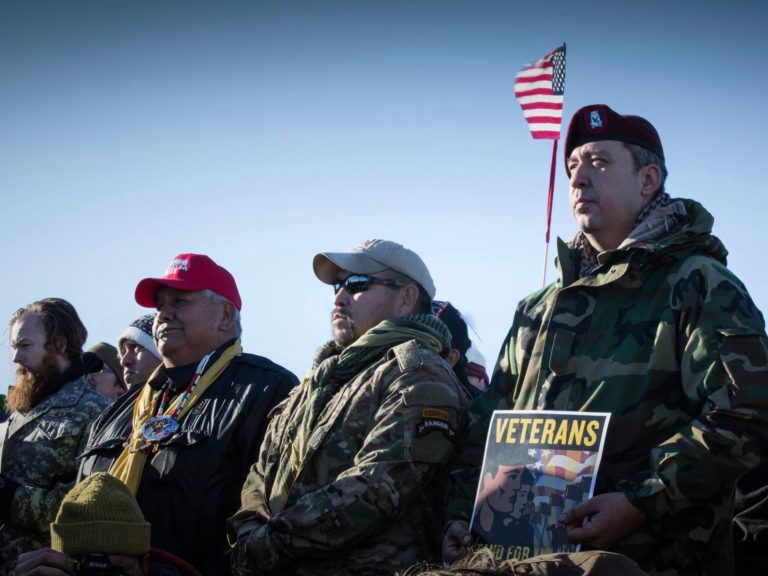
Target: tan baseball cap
(370, 257)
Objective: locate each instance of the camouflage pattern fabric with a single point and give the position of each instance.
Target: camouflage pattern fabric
(39, 451)
(667, 339)
(366, 499)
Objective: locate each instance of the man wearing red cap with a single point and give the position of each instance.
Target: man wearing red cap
(183, 442)
(646, 322)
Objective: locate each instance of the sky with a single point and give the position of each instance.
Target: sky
(263, 132)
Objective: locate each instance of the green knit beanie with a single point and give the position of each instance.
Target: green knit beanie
(100, 515)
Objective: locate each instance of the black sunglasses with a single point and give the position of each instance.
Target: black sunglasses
(361, 282)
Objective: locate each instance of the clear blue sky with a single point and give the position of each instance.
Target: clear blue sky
(262, 132)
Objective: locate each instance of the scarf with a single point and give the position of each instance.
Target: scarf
(130, 464)
(661, 217)
(333, 367)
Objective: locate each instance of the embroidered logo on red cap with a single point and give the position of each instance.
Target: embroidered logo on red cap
(176, 266)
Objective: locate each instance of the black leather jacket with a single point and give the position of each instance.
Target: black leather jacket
(192, 483)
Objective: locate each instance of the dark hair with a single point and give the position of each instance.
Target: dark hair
(64, 331)
(642, 157)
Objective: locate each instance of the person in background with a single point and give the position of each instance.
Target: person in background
(139, 355)
(476, 372)
(51, 407)
(460, 342)
(109, 380)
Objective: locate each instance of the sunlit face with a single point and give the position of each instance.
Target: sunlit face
(354, 314)
(138, 363)
(28, 340)
(106, 383)
(187, 325)
(605, 192)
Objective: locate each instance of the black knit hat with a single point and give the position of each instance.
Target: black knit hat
(451, 317)
(598, 122)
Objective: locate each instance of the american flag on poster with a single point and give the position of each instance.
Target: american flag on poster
(539, 88)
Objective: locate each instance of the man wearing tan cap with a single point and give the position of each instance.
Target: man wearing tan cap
(646, 322)
(183, 442)
(351, 477)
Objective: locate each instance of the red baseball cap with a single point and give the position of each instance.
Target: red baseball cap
(190, 272)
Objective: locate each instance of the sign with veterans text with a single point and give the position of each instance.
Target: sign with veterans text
(536, 465)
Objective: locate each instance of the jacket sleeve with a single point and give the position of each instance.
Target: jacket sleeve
(35, 507)
(252, 432)
(399, 456)
(724, 366)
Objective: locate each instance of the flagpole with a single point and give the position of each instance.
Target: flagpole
(550, 196)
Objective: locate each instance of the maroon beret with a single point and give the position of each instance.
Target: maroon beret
(598, 122)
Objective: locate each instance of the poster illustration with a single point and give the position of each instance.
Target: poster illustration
(536, 464)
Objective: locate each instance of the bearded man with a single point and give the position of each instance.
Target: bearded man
(51, 407)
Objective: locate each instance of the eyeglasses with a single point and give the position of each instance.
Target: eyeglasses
(361, 282)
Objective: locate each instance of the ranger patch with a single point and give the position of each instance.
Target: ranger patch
(436, 413)
(434, 419)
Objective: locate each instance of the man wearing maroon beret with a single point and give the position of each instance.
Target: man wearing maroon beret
(646, 322)
(183, 442)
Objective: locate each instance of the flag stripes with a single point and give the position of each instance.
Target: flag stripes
(539, 89)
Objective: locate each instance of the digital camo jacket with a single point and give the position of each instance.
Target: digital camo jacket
(666, 338)
(38, 450)
(368, 496)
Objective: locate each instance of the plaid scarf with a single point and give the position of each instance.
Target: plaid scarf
(661, 217)
(333, 368)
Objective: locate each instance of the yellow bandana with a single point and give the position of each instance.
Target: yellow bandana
(130, 464)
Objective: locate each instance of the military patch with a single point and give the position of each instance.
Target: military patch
(435, 420)
(436, 413)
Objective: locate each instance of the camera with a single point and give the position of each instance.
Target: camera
(97, 565)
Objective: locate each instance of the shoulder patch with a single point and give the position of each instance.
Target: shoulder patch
(408, 355)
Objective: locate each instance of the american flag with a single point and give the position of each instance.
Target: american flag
(539, 88)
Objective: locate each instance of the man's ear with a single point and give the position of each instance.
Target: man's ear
(453, 357)
(59, 345)
(408, 299)
(651, 175)
(228, 316)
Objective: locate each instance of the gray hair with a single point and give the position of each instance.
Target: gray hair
(238, 329)
(642, 157)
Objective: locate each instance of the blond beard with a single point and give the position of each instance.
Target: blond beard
(32, 386)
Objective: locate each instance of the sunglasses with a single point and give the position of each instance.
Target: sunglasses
(361, 282)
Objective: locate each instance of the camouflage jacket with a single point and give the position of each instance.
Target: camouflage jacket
(367, 497)
(38, 451)
(666, 338)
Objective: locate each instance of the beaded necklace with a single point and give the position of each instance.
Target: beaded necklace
(162, 426)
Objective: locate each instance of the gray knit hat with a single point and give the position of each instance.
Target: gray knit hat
(140, 331)
(100, 515)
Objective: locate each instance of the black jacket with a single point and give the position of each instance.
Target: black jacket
(192, 484)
